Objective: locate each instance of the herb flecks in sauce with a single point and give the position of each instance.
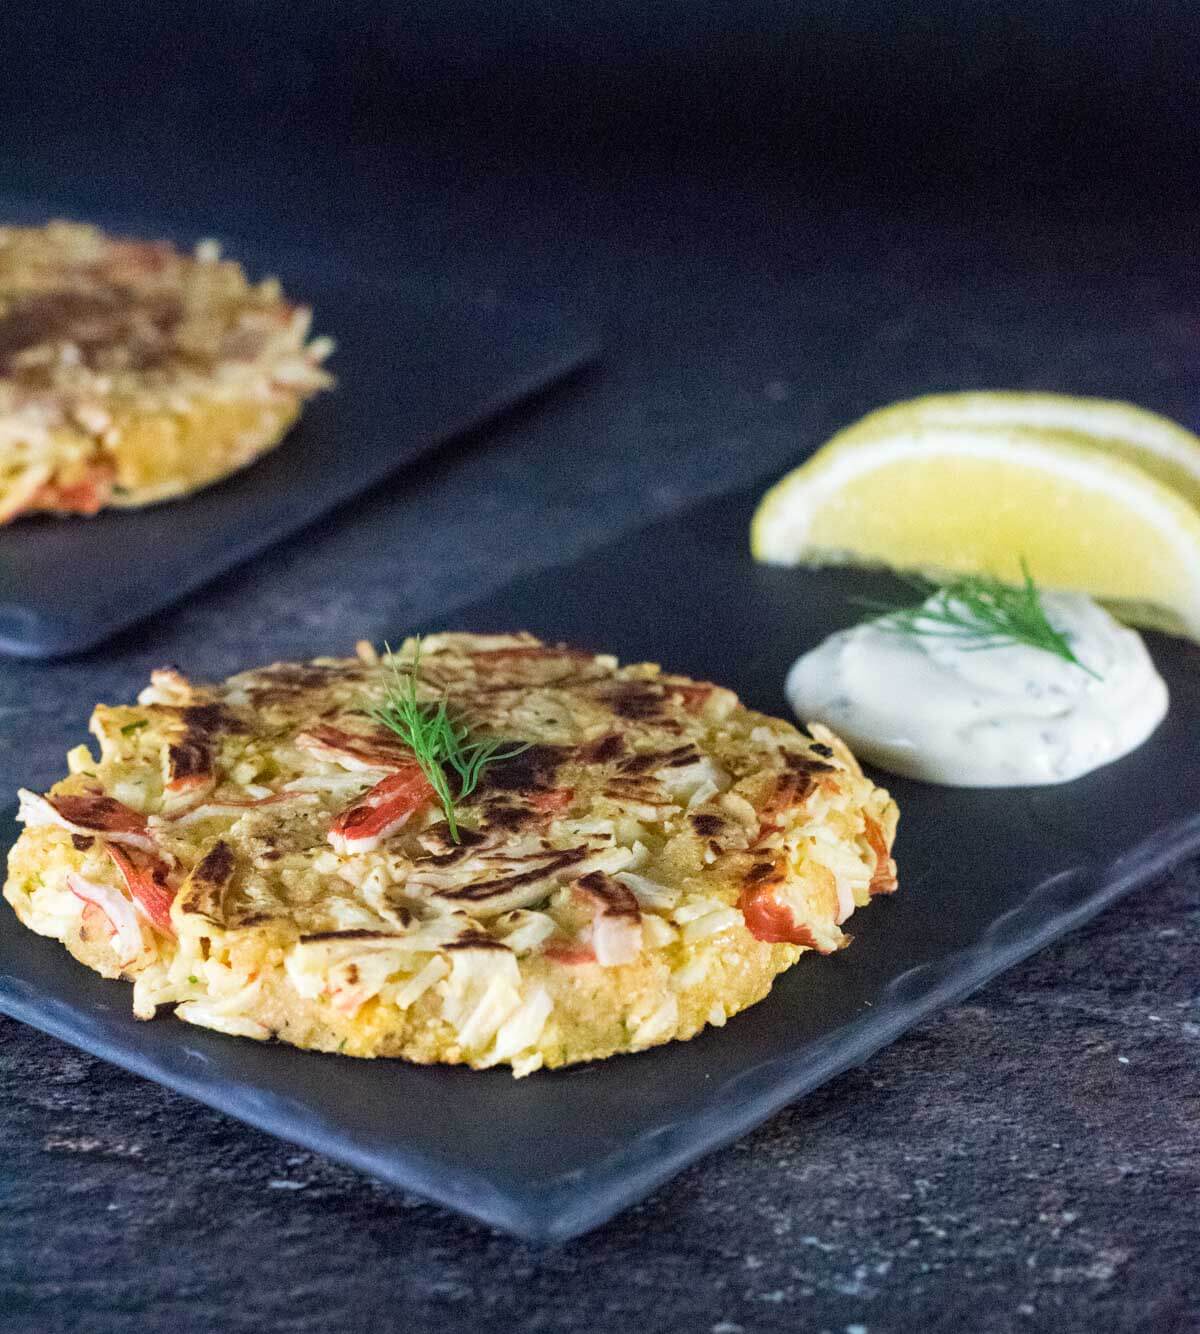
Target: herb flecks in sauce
(910, 691)
(979, 612)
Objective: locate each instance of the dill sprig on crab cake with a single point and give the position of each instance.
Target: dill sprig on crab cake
(476, 849)
(132, 373)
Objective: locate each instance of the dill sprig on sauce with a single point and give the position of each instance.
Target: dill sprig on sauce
(979, 612)
(437, 739)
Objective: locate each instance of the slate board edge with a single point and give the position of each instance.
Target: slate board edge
(962, 974)
(52, 641)
(558, 1214)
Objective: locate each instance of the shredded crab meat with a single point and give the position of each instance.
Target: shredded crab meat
(741, 811)
(362, 826)
(356, 982)
(778, 909)
(147, 887)
(90, 816)
(310, 961)
(169, 686)
(616, 926)
(352, 751)
(883, 879)
(553, 800)
(657, 932)
(155, 985)
(226, 1015)
(127, 940)
(181, 785)
(21, 488)
(520, 882)
(451, 866)
(482, 991)
(649, 893)
(846, 903)
(524, 931)
(701, 775)
(616, 940)
(208, 810)
(336, 784)
(416, 986)
(352, 970)
(522, 1028)
(711, 923)
(658, 1024)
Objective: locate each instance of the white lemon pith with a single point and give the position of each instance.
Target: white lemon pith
(912, 492)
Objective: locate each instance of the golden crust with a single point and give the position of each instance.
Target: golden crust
(131, 373)
(646, 867)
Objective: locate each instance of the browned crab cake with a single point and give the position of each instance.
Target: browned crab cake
(131, 373)
(267, 858)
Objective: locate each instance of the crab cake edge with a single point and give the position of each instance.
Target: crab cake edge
(265, 858)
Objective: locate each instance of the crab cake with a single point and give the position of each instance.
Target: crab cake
(131, 373)
(269, 859)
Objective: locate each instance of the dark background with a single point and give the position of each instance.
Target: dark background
(331, 118)
(781, 216)
(950, 92)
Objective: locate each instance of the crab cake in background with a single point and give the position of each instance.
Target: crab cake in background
(481, 849)
(132, 373)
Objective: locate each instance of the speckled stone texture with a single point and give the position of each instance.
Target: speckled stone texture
(1025, 1161)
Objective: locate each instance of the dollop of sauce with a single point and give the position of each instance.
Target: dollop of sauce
(930, 707)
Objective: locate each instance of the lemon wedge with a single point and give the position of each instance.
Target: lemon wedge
(916, 493)
(1154, 443)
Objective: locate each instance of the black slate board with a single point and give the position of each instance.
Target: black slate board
(415, 368)
(987, 877)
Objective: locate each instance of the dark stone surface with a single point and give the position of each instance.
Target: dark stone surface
(1028, 1160)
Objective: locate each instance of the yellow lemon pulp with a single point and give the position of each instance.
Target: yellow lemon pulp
(1154, 443)
(967, 499)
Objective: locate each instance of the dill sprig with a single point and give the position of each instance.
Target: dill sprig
(437, 739)
(979, 612)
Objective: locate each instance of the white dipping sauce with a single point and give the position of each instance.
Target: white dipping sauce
(1012, 716)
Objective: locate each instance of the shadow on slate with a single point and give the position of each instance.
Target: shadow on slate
(986, 877)
(414, 367)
